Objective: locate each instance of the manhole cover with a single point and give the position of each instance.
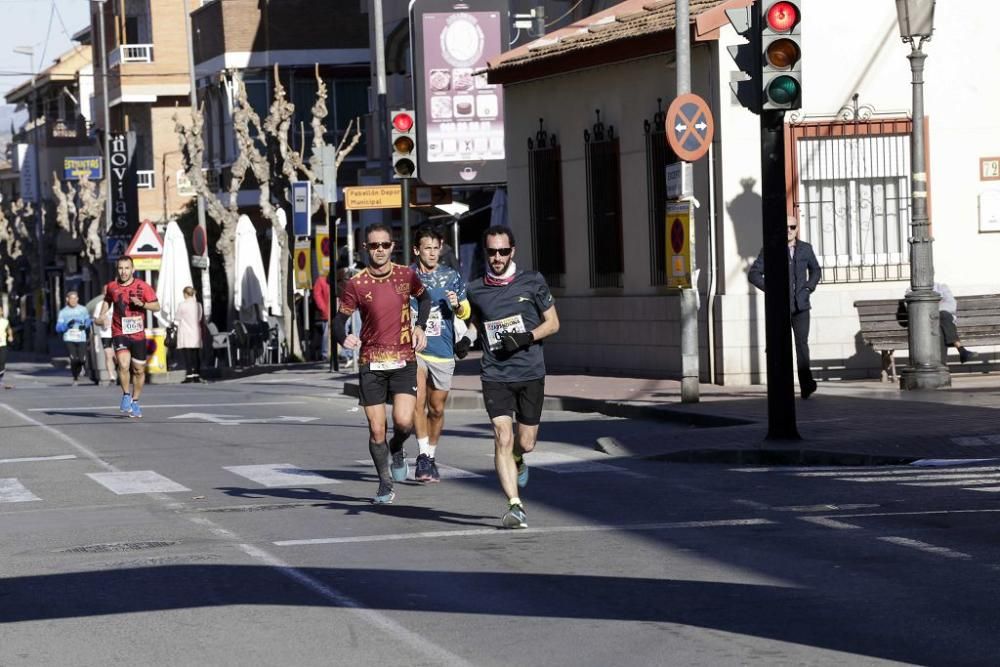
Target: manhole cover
(115, 547)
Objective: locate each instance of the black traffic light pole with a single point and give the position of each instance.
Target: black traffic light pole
(405, 214)
(777, 307)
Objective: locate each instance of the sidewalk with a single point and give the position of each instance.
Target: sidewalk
(844, 422)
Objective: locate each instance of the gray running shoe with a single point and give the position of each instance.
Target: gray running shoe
(514, 517)
(423, 472)
(385, 494)
(435, 475)
(399, 468)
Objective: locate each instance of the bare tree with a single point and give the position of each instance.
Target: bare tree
(17, 242)
(81, 221)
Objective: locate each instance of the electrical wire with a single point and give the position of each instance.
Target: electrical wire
(568, 12)
(48, 33)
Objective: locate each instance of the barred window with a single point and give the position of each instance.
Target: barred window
(853, 196)
(545, 181)
(658, 156)
(604, 205)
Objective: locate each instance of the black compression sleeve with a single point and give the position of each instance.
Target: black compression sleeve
(340, 328)
(423, 308)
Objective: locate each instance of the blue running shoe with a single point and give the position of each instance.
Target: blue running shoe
(135, 411)
(385, 494)
(522, 473)
(399, 468)
(514, 517)
(423, 472)
(126, 404)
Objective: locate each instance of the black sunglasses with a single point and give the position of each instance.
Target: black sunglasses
(503, 252)
(792, 227)
(384, 245)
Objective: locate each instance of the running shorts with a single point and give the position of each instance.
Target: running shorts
(377, 387)
(439, 373)
(520, 399)
(135, 346)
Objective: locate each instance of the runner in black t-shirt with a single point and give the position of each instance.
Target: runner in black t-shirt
(513, 310)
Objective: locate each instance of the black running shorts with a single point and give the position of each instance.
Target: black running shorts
(521, 399)
(377, 387)
(135, 346)
(106, 342)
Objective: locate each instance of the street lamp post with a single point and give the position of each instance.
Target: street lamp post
(925, 369)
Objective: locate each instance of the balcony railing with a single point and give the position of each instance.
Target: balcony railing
(131, 53)
(145, 179)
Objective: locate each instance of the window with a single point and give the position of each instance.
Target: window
(658, 156)
(604, 205)
(853, 196)
(545, 181)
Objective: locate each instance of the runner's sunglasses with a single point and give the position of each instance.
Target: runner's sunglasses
(503, 252)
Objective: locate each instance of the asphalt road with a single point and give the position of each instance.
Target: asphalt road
(232, 525)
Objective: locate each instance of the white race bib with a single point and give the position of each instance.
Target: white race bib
(75, 336)
(433, 327)
(132, 325)
(496, 329)
(386, 365)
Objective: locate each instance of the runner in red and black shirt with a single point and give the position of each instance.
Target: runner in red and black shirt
(387, 364)
(129, 299)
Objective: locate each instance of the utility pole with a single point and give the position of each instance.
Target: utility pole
(382, 111)
(107, 121)
(206, 280)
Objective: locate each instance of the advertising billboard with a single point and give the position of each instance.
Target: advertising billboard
(460, 114)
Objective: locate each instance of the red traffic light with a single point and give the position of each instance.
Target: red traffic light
(782, 16)
(402, 122)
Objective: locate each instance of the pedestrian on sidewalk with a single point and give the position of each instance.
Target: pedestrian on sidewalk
(948, 321)
(73, 323)
(188, 320)
(321, 297)
(6, 336)
(388, 344)
(514, 311)
(804, 274)
(105, 334)
(436, 364)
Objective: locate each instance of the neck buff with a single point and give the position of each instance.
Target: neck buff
(508, 276)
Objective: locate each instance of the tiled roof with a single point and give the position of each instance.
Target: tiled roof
(626, 20)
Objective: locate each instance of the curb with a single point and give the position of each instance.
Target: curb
(781, 457)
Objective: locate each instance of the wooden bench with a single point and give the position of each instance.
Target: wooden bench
(884, 325)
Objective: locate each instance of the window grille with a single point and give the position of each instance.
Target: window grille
(545, 181)
(658, 156)
(604, 205)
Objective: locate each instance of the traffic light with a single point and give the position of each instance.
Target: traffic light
(781, 54)
(404, 144)
(746, 22)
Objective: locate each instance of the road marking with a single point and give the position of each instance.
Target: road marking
(827, 522)
(925, 547)
(237, 420)
(274, 475)
(472, 532)
(564, 464)
(163, 405)
(447, 472)
(957, 482)
(977, 441)
(136, 481)
(12, 491)
(909, 480)
(27, 459)
(894, 472)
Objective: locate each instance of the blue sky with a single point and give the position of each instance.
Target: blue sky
(45, 25)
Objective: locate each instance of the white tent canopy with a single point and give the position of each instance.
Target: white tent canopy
(251, 282)
(175, 273)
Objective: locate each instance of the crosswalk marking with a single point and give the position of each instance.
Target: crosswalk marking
(29, 459)
(12, 491)
(968, 477)
(136, 481)
(925, 547)
(447, 471)
(564, 464)
(274, 475)
(869, 472)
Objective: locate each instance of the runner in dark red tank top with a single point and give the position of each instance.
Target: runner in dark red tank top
(129, 299)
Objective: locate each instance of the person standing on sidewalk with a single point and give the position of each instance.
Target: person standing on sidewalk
(804, 274)
(388, 343)
(188, 321)
(106, 347)
(73, 323)
(321, 297)
(129, 299)
(436, 364)
(514, 311)
(6, 336)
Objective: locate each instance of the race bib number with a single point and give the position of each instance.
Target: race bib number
(433, 327)
(132, 325)
(496, 329)
(387, 365)
(75, 336)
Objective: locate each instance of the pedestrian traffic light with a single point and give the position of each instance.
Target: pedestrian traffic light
(781, 54)
(404, 144)
(746, 86)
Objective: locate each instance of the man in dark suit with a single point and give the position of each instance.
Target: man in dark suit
(803, 276)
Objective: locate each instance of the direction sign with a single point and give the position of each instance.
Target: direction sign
(146, 248)
(373, 196)
(689, 127)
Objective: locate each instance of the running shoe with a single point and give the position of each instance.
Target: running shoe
(514, 517)
(423, 473)
(126, 404)
(522, 473)
(135, 411)
(435, 475)
(385, 495)
(399, 468)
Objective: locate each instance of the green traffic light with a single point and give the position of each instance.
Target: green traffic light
(783, 90)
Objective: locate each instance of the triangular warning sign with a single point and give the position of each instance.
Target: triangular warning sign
(146, 242)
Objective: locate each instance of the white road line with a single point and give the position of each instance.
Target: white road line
(136, 481)
(752, 503)
(12, 491)
(56, 433)
(957, 482)
(472, 532)
(273, 475)
(917, 478)
(826, 522)
(925, 547)
(987, 489)
(977, 441)
(27, 459)
(447, 472)
(831, 507)
(905, 471)
(162, 405)
(564, 464)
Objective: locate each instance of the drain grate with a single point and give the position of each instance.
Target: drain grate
(116, 547)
